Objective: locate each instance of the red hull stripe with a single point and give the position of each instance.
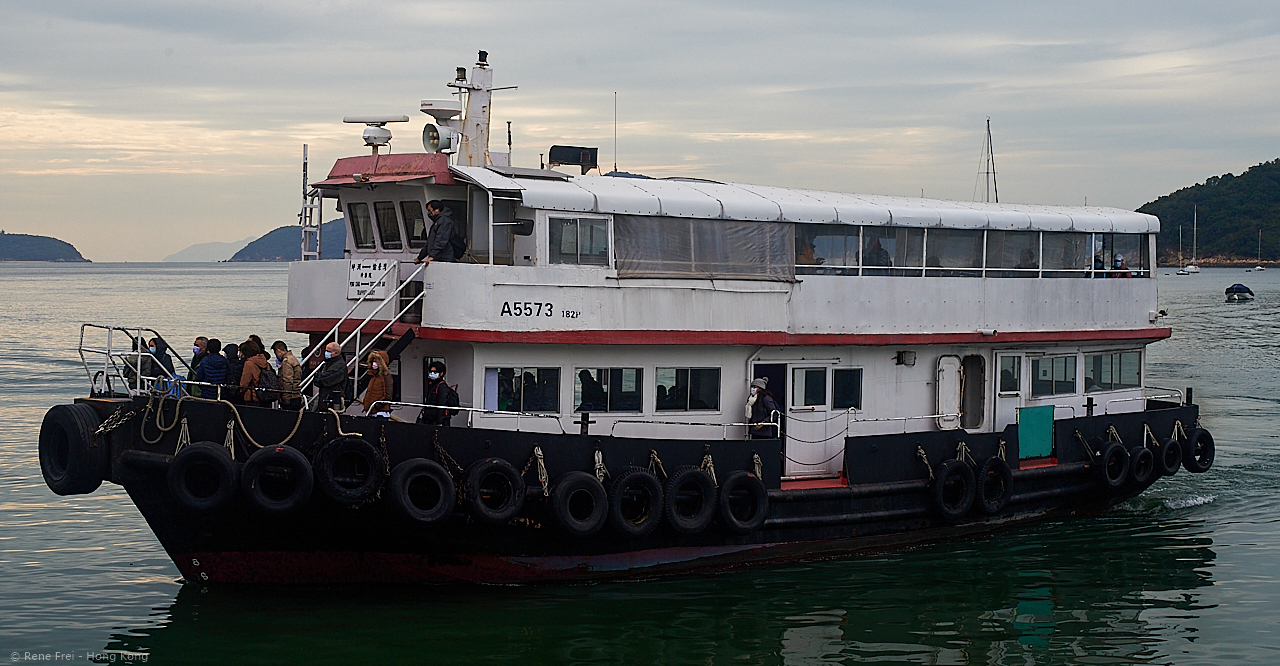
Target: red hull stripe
(765, 338)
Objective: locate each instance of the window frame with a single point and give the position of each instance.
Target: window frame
(609, 393)
(1116, 366)
(861, 374)
(1033, 362)
(351, 226)
(554, 255)
(657, 382)
(519, 372)
(395, 224)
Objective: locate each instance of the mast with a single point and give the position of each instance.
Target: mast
(1194, 233)
(987, 169)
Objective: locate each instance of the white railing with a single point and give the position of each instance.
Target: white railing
(112, 359)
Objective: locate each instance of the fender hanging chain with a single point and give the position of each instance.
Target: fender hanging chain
(543, 477)
(1001, 452)
(444, 456)
(1115, 435)
(117, 419)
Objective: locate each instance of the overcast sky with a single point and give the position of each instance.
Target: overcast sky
(134, 129)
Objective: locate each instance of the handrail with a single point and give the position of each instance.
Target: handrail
(723, 426)
(472, 411)
(1106, 408)
(333, 331)
(109, 366)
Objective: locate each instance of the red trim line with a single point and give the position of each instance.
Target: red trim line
(766, 338)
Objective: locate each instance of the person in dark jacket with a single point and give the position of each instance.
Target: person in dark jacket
(160, 351)
(760, 408)
(438, 392)
(213, 368)
(199, 349)
(235, 368)
(439, 245)
(332, 378)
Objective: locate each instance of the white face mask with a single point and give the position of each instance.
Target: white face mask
(755, 389)
(433, 376)
(375, 365)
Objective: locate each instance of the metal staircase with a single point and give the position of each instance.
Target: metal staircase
(309, 217)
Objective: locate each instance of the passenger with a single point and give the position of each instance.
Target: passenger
(439, 245)
(438, 393)
(137, 365)
(1028, 260)
(235, 368)
(876, 255)
(261, 345)
(199, 349)
(1120, 269)
(507, 389)
(805, 255)
(381, 383)
(594, 398)
(528, 398)
(290, 375)
(332, 378)
(213, 369)
(760, 409)
(255, 363)
(160, 352)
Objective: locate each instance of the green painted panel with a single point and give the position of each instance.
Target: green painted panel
(1035, 432)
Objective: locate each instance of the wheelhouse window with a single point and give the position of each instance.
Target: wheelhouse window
(1053, 376)
(949, 252)
(415, 223)
(583, 241)
(808, 387)
(388, 225)
(1010, 374)
(1120, 255)
(897, 250)
(608, 390)
(522, 389)
(1066, 254)
(687, 389)
(1112, 371)
(361, 225)
(827, 249)
(1017, 253)
(846, 388)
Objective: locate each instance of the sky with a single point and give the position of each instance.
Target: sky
(133, 129)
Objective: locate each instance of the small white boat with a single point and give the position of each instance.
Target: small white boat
(1183, 271)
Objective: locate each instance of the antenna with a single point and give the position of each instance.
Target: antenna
(987, 169)
(615, 130)
(508, 143)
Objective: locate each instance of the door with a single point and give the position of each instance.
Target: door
(1009, 393)
(776, 373)
(815, 439)
(947, 386)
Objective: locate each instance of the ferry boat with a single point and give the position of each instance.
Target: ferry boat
(938, 369)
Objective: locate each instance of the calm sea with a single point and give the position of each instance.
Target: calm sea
(1187, 574)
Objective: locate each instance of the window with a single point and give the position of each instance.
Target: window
(1010, 374)
(583, 241)
(1112, 371)
(675, 247)
(522, 389)
(1053, 376)
(899, 248)
(973, 387)
(826, 249)
(688, 389)
(808, 387)
(1016, 251)
(1066, 254)
(608, 390)
(846, 388)
(1119, 255)
(361, 227)
(950, 250)
(388, 225)
(415, 223)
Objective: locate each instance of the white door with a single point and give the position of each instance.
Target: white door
(949, 381)
(1009, 391)
(814, 449)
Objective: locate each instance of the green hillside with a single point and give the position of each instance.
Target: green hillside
(23, 247)
(285, 243)
(1231, 210)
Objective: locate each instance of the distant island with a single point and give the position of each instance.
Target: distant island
(24, 247)
(285, 243)
(1230, 211)
(214, 251)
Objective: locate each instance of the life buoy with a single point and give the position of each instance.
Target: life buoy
(635, 502)
(953, 489)
(493, 490)
(994, 485)
(1142, 465)
(1197, 457)
(691, 500)
(1112, 464)
(350, 470)
(72, 460)
(579, 503)
(277, 479)
(422, 491)
(1169, 457)
(744, 502)
(203, 477)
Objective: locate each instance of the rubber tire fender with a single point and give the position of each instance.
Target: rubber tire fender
(993, 471)
(483, 477)
(1197, 455)
(636, 480)
(951, 472)
(1169, 457)
(1112, 463)
(569, 490)
(689, 479)
(72, 460)
(273, 459)
(203, 477)
(1142, 465)
(743, 515)
(401, 491)
(350, 470)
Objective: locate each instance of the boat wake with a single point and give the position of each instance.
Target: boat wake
(1188, 502)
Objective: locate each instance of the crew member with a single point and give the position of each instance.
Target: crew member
(760, 410)
(439, 245)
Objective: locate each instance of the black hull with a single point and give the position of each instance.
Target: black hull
(888, 503)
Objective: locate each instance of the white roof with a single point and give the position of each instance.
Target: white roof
(711, 200)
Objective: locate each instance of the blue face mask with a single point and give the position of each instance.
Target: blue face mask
(195, 350)
(153, 349)
(327, 356)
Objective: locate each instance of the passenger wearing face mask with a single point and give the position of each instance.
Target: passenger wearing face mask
(760, 409)
(199, 350)
(290, 375)
(332, 378)
(381, 383)
(160, 352)
(438, 392)
(213, 369)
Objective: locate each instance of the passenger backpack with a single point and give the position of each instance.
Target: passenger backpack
(458, 243)
(268, 384)
(451, 399)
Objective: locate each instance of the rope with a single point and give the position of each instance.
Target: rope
(1111, 430)
(230, 442)
(757, 465)
(962, 453)
(234, 411)
(924, 459)
(1088, 449)
(543, 477)
(1148, 436)
(601, 470)
(708, 466)
(386, 459)
(655, 460)
(337, 420)
(1001, 453)
(1178, 429)
(184, 437)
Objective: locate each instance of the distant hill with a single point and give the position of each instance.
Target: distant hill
(1231, 210)
(23, 247)
(209, 251)
(285, 243)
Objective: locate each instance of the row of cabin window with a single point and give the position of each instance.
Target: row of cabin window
(388, 225)
(1056, 375)
(832, 249)
(675, 389)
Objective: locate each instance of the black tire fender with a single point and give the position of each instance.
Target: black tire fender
(493, 491)
(203, 477)
(1169, 457)
(350, 470)
(72, 459)
(422, 491)
(691, 500)
(277, 480)
(1142, 465)
(744, 502)
(993, 485)
(1197, 455)
(579, 503)
(636, 502)
(953, 489)
(1112, 463)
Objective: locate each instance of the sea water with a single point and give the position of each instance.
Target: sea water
(1188, 573)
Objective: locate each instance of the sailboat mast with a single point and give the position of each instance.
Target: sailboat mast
(992, 185)
(1195, 217)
